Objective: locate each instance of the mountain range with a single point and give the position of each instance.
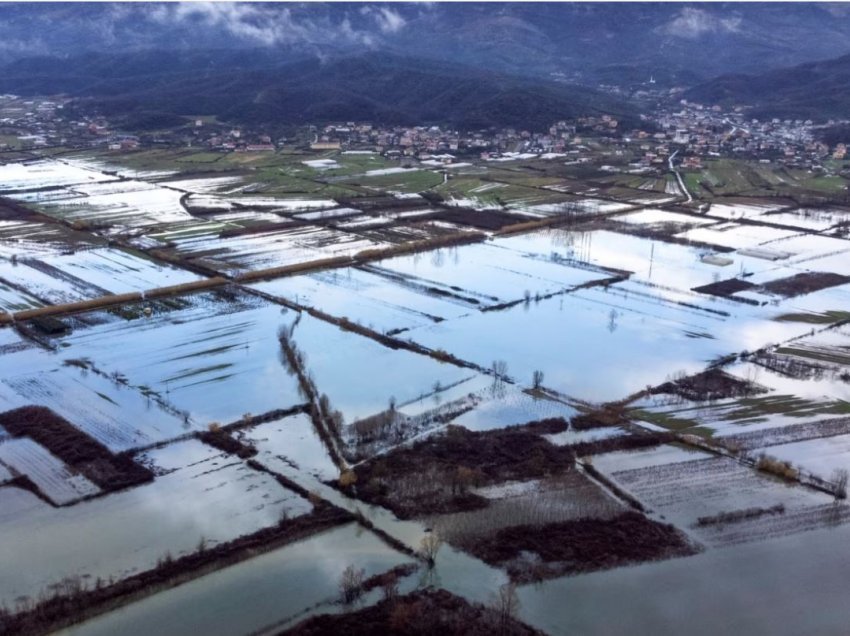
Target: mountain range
(672, 41)
(814, 90)
(250, 88)
(468, 64)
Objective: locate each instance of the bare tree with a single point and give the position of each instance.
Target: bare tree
(839, 478)
(506, 605)
(537, 379)
(500, 369)
(351, 583)
(389, 584)
(429, 547)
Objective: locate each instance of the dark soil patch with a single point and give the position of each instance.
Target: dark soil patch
(434, 475)
(549, 426)
(805, 283)
(621, 443)
(423, 613)
(480, 219)
(582, 545)
(724, 288)
(75, 448)
(608, 415)
(713, 384)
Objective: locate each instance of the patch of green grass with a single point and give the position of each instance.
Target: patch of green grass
(414, 181)
(838, 357)
(750, 410)
(826, 184)
(665, 419)
(825, 318)
(201, 157)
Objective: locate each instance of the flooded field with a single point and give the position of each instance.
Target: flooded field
(581, 390)
(130, 531)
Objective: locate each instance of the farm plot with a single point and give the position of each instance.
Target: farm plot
(53, 478)
(804, 431)
(661, 264)
(136, 205)
(20, 239)
(815, 219)
(500, 271)
(369, 377)
(821, 456)
(506, 405)
(794, 392)
(12, 299)
(19, 177)
(742, 210)
(61, 278)
(134, 168)
(210, 497)
(397, 180)
(245, 201)
(828, 350)
(814, 252)
(205, 185)
(686, 492)
(570, 496)
(251, 252)
(736, 236)
(211, 361)
(663, 219)
(598, 330)
(365, 297)
(291, 444)
(103, 407)
(568, 207)
(289, 583)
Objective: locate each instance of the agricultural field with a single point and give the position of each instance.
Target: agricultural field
(225, 370)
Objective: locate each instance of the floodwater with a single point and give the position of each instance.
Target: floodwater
(785, 587)
(131, 381)
(254, 595)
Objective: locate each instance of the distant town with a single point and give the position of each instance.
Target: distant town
(696, 132)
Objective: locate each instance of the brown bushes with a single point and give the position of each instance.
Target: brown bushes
(622, 442)
(740, 515)
(804, 283)
(713, 384)
(431, 611)
(774, 466)
(580, 546)
(425, 478)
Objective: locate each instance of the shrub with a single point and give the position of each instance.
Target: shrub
(347, 479)
(774, 466)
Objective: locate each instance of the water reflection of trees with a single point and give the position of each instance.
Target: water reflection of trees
(576, 243)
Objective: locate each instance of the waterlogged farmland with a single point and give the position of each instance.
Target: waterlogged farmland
(254, 388)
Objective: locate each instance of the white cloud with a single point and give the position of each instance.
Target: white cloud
(388, 20)
(269, 24)
(691, 23)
